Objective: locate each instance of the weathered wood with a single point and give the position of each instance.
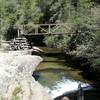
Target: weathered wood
(30, 34)
(44, 29)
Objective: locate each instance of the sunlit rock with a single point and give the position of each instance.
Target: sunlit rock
(65, 98)
(16, 81)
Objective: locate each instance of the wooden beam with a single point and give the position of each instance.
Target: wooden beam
(45, 33)
(49, 24)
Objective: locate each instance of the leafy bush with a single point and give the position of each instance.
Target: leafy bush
(57, 41)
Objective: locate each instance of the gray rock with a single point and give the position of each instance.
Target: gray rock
(65, 98)
(16, 82)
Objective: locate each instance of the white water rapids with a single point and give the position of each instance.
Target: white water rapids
(66, 86)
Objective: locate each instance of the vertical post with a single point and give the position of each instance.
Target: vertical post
(36, 29)
(49, 28)
(18, 31)
(80, 92)
(21, 30)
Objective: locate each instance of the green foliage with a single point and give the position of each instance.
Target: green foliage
(96, 67)
(57, 41)
(92, 48)
(17, 12)
(85, 21)
(27, 12)
(96, 64)
(54, 11)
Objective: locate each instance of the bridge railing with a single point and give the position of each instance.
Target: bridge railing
(38, 29)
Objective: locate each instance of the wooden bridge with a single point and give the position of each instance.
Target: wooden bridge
(43, 29)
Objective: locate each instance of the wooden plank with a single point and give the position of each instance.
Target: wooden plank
(45, 33)
(49, 24)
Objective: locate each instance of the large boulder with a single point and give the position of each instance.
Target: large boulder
(16, 81)
(37, 51)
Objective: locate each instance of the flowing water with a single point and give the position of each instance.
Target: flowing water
(59, 78)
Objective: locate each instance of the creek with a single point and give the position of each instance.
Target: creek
(60, 78)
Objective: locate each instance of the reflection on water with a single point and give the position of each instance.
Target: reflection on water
(53, 70)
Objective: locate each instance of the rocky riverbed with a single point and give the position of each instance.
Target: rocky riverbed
(16, 81)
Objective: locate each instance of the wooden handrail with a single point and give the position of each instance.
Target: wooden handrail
(47, 24)
(55, 28)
